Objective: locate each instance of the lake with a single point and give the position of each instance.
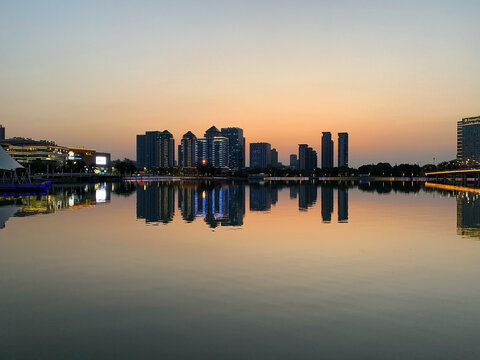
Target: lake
(232, 270)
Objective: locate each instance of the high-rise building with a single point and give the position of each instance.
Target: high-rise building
(293, 161)
(219, 151)
(274, 158)
(187, 152)
(2, 132)
(155, 149)
(166, 149)
(327, 150)
(343, 149)
(307, 158)
(260, 155)
(468, 139)
(236, 147)
(202, 150)
(179, 154)
(213, 148)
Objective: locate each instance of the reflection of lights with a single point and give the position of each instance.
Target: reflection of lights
(71, 200)
(101, 195)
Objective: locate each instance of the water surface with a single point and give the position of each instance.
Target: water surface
(212, 270)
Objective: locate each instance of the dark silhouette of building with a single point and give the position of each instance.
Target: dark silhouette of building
(294, 161)
(236, 147)
(155, 149)
(342, 205)
(327, 150)
(2, 132)
(307, 158)
(327, 203)
(307, 195)
(179, 154)
(274, 158)
(187, 154)
(468, 139)
(342, 149)
(156, 203)
(260, 155)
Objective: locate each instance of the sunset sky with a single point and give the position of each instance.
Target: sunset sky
(396, 75)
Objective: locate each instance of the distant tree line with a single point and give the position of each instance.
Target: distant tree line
(128, 167)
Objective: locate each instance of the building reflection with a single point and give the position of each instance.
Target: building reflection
(262, 197)
(156, 202)
(218, 204)
(468, 215)
(307, 195)
(342, 202)
(327, 203)
(188, 202)
(72, 197)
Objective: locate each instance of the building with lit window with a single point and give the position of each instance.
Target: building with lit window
(26, 151)
(236, 147)
(213, 148)
(187, 151)
(468, 139)
(155, 149)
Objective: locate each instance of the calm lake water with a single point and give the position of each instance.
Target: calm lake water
(188, 270)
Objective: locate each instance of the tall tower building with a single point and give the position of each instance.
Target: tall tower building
(155, 149)
(307, 158)
(147, 149)
(293, 161)
(2, 132)
(166, 150)
(468, 139)
(202, 150)
(213, 148)
(274, 157)
(236, 147)
(187, 155)
(343, 149)
(327, 150)
(219, 151)
(260, 155)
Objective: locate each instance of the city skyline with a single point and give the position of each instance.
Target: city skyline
(80, 74)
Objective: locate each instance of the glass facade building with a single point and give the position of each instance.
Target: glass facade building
(468, 139)
(260, 155)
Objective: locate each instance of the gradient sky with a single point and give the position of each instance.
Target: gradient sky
(396, 75)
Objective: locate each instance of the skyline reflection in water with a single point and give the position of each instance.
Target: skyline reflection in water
(237, 270)
(224, 203)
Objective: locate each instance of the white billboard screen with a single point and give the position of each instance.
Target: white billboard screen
(101, 160)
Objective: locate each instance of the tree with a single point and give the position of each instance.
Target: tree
(125, 166)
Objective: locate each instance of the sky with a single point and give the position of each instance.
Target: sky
(395, 75)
